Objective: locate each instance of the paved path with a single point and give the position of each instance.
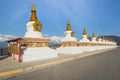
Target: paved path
(9, 66)
(104, 66)
(7, 63)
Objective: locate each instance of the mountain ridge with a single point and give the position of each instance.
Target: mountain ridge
(55, 41)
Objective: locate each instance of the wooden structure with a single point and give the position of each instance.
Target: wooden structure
(16, 46)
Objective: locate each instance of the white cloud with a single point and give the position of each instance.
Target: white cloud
(55, 40)
(45, 35)
(6, 37)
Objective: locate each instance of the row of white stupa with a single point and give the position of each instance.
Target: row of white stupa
(37, 46)
(70, 45)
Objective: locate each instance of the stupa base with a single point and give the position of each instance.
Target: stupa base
(69, 50)
(31, 54)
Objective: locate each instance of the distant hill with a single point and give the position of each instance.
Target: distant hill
(116, 38)
(3, 44)
(55, 42)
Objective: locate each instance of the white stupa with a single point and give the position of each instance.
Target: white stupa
(84, 38)
(94, 43)
(93, 38)
(68, 43)
(99, 39)
(84, 42)
(68, 35)
(37, 46)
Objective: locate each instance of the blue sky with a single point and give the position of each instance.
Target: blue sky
(99, 16)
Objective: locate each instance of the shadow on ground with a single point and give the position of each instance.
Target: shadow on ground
(3, 57)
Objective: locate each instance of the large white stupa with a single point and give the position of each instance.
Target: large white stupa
(37, 45)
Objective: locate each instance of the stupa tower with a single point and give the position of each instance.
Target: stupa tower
(69, 32)
(84, 35)
(84, 41)
(103, 41)
(68, 40)
(93, 40)
(99, 38)
(34, 26)
(93, 37)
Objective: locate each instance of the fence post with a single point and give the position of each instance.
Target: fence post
(1, 50)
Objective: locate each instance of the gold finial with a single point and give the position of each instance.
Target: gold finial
(33, 15)
(93, 34)
(69, 22)
(68, 26)
(84, 31)
(33, 7)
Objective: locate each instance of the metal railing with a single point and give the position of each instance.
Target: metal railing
(3, 51)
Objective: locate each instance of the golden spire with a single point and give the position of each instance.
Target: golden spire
(93, 34)
(68, 26)
(37, 25)
(33, 13)
(84, 31)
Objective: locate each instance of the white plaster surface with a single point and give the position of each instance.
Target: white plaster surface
(30, 31)
(33, 35)
(68, 39)
(69, 50)
(94, 39)
(81, 49)
(68, 33)
(31, 54)
(84, 39)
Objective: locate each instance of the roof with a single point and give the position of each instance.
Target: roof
(14, 40)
